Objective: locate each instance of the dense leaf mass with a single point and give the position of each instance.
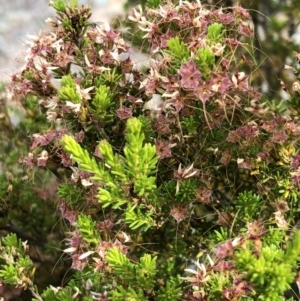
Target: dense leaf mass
(177, 180)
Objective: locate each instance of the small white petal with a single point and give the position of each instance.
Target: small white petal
(86, 183)
(85, 255)
(191, 271)
(236, 241)
(126, 237)
(70, 250)
(210, 260)
(129, 77)
(74, 106)
(115, 56)
(239, 161)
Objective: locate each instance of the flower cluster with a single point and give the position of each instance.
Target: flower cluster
(175, 145)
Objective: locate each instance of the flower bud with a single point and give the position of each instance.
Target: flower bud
(296, 87)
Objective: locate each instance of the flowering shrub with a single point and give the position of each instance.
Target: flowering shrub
(178, 182)
(26, 209)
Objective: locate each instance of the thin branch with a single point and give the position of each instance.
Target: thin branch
(36, 295)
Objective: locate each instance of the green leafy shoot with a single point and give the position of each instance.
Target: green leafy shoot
(102, 101)
(138, 219)
(177, 49)
(59, 5)
(249, 205)
(87, 228)
(205, 60)
(141, 275)
(272, 271)
(67, 91)
(18, 268)
(141, 159)
(215, 33)
(83, 158)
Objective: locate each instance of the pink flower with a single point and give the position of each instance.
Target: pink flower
(245, 29)
(124, 112)
(240, 81)
(203, 91)
(279, 137)
(190, 75)
(163, 149)
(238, 10)
(179, 213)
(225, 249)
(42, 158)
(220, 82)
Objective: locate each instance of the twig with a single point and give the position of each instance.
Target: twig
(36, 295)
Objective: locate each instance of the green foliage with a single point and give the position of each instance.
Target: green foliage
(67, 91)
(191, 124)
(178, 50)
(164, 163)
(136, 219)
(270, 272)
(27, 205)
(102, 101)
(141, 159)
(82, 157)
(220, 236)
(153, 3)
(215, 33)
(72, 194)
(205, 60)
(171, 291)
(141, 275)
(127, 294)
(87, 229)
(248, 205)
(59, 5)
(278, 107)
(134, 169)
(18, 268)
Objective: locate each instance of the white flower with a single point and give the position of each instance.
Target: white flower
(210, 261)
(129, 78)
(199, 273)
(236, 241)
(137, 14)
(86, 183)
(240, 161)
(171, 95)
(51, 115)
(84, 93)
(76, 293)
(280, 221)
(155, 103)
(51, 103)
(58, 45)
(55, 289)
(75, 107)
(115, 56)
(75, 174)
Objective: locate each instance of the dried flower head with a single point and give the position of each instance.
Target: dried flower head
(225, 250)
(255, 230)
(281, 206)
(198, 275)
